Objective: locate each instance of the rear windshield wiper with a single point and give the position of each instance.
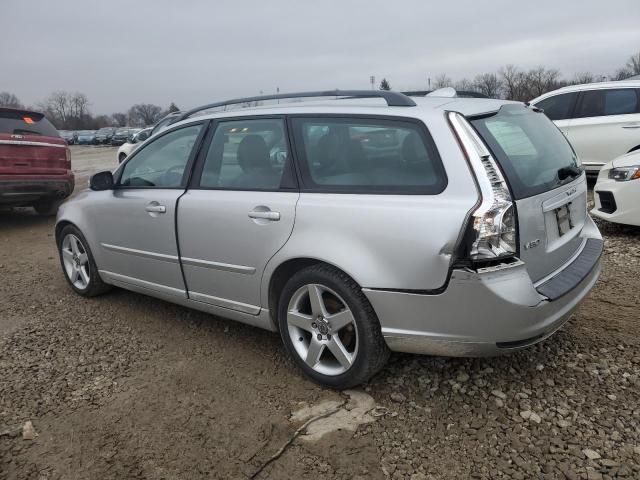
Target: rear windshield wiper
(570, 171)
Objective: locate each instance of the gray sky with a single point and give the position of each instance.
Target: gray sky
(191, 52)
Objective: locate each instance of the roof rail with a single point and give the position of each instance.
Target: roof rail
(460, 93)
(393, 99)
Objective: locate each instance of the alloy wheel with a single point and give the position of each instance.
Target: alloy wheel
(76, 261)
(322, 329)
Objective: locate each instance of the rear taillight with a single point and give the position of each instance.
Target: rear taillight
(494, 227)
(68, 158)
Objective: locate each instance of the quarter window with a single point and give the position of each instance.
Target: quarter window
(368, 155)
(558, 107)
(598, 103)
(161, 163)
(247, 155)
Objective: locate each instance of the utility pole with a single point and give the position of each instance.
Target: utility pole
(428, 83)
(372, 79)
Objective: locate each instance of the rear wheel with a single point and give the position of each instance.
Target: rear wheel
(47, 207)
(330, 329)
(78, 264)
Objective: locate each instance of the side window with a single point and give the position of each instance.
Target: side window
(246, 154)
(368, 156)
(598, 103)
(558, 107)
(161, 163)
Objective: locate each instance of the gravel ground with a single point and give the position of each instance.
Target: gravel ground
(125, 386)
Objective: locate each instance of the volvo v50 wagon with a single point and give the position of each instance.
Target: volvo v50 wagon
(352, 225)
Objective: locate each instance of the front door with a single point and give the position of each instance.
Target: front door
(238, 213)
(135, 225)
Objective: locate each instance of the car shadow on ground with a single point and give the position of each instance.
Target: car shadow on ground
(22, 217)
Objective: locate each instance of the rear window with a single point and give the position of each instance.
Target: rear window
(364, 155)
(17, 122)
(529, 148)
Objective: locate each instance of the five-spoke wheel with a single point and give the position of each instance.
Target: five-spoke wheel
(75, 261)
(329, 327)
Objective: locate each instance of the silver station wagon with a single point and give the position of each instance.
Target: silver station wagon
(354, 224)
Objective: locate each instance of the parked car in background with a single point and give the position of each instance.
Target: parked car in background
(104, 135)
(617, 191)
(69, 136)
(601, 120)
(86, 137)
(351, 226)
(165, 121)
(126, 148)
(121, 135)
(35, 162)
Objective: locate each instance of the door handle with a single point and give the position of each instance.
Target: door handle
(635, 125)
(156, 209)
(275, 216)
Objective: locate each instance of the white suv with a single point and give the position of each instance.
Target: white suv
(601, 120)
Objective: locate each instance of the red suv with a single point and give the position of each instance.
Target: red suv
(35, 162)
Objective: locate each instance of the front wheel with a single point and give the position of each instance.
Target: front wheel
(78, 264)
(330, 329)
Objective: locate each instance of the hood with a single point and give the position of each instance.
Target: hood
(626, 160)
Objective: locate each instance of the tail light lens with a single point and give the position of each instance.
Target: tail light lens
(494, 229)
(68, 158)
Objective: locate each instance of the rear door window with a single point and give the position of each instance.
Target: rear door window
(599, 103)
(17, 122)
(558, 107)
(529, 148)
(364, 155)
(251, 154)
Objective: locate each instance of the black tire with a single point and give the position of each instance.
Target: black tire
(372, 352)
(47, 207)
(95, 285)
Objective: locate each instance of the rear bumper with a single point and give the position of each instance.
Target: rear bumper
(485, 313)
(25, 191)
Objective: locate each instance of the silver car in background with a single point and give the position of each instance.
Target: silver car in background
(353, 226)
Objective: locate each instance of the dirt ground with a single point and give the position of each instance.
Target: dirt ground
(126, 386)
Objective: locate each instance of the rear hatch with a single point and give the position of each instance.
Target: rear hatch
(30, 145)
(546, 181)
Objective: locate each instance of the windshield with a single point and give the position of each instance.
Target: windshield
(533, 153)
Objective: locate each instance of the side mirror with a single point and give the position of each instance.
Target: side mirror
(101, 181)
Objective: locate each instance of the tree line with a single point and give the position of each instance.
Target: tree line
(70, 111)
(513, 83)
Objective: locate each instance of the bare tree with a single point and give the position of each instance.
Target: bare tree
(442, 81)
(621, 74)
(583, 77)
(541, 80)
(464, 84)
(514, 83)
(488, 84)
(57, 106)
(144, 114)
(633, 64)
(120, 119)
(9, 100)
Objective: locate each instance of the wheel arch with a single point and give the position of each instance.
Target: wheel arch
(282, 273)
(637, 147)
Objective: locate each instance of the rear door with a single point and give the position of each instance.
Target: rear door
(30, 145)
(239, 212)
(547, 184)
(606, 125)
